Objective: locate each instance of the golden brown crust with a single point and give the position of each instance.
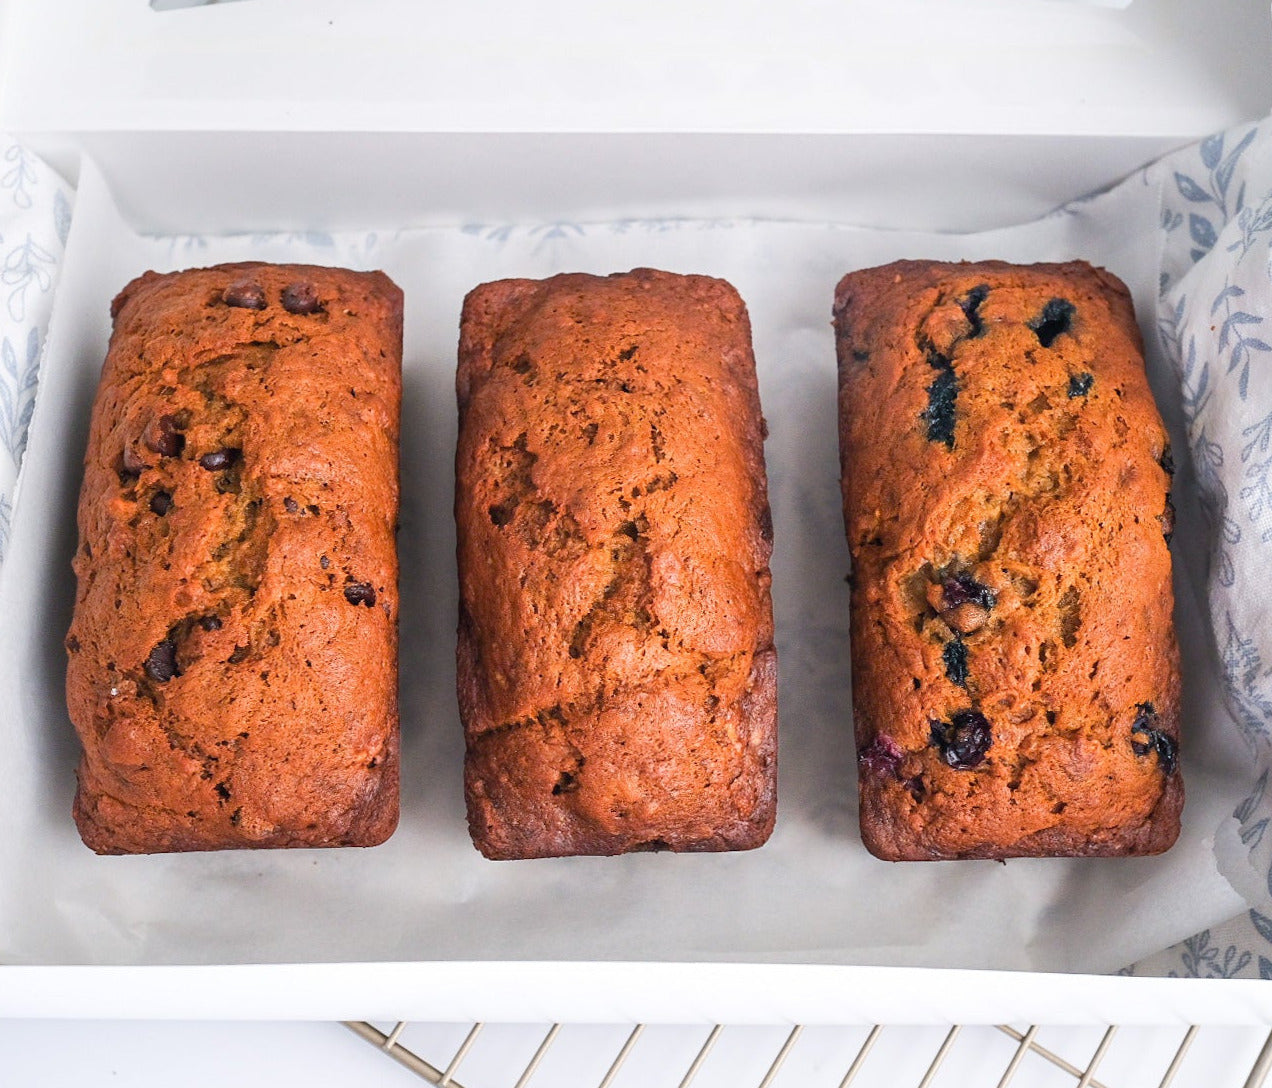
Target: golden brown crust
(616, 669)
(1005, 483)
(233, 652)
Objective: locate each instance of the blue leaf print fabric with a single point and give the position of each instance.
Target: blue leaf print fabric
(35, 220)
(1215, 323)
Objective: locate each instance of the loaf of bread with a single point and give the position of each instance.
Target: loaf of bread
(233, 652)
(1006, 495)
(616, 670)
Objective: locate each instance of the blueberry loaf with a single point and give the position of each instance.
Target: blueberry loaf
(233, 651)
(1006, 495)
(616, 669)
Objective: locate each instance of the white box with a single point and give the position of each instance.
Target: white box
(276, 115)
(286, 114)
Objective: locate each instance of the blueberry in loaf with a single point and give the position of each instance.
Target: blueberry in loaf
(1006, 495)
(233, 651)
(616, 670)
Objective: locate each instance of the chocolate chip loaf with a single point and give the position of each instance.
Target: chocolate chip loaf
(233, 668)
(1006, 495)
(616, 668)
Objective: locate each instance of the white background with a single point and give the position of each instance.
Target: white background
(1166, 78)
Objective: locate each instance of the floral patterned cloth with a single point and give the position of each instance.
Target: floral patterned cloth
(1215, 324)
(35, 216)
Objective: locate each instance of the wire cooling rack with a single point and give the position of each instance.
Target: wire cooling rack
(598, 1056)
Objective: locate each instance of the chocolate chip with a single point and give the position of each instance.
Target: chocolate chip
(165, 438)
(238, 654)
(245, 294)
(955, 657)
(301, 298)
(1055, 319)
(160, 503)
(970, 306)
(963, 740)
(73, 644)
(220, 459)
(1145, 725)
(502, 513)
(324, 562)
(290, 505)
(1167, 460)
(210, 623)
(161, 664)
(222, 792)
(882, 756)
(360, 593)
(1080, 384)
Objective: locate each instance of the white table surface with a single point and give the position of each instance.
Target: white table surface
(141, 1054)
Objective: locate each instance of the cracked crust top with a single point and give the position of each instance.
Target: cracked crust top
(616, 667)
(233, 652)
(1006, 495)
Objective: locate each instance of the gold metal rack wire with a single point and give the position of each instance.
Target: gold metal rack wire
(1021, 1068)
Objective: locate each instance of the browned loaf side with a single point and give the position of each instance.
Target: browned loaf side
(1006, 495)
(233, 652)
(616, 670)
